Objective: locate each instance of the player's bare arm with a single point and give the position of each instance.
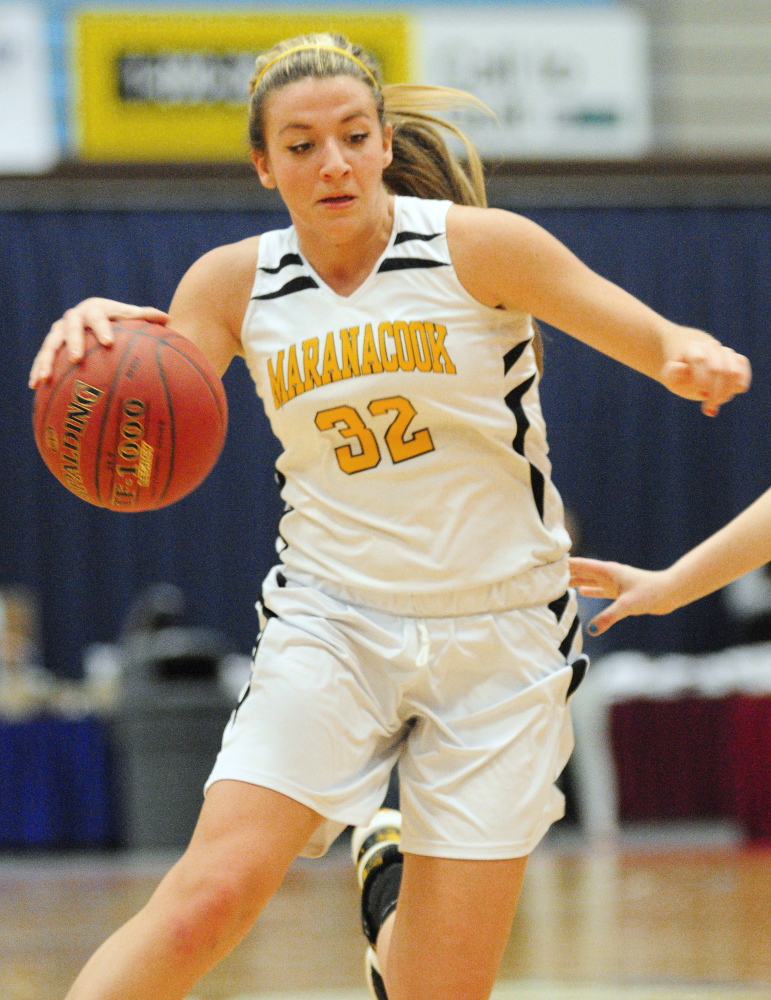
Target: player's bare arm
(506, 260)
(210, 302)
(742, 545)
(208, 308)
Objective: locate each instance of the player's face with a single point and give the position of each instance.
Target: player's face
(325, 151)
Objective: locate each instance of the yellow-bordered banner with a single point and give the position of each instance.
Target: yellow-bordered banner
(173, 86)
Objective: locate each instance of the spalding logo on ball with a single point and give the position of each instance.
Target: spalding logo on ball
(134, 426)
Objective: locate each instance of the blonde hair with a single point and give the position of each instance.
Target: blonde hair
(423, 164)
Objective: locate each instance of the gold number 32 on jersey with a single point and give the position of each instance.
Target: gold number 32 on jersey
(401, 445)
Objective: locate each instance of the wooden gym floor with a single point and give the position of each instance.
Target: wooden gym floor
(630, 924)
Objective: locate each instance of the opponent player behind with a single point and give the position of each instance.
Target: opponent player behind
(421, 611)
(742, 545)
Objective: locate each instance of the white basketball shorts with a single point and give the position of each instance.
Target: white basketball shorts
(473, 709)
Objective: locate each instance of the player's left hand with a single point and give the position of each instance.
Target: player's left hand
(636, 591)
(707, 371)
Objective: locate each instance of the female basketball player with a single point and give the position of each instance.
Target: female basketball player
(421, 610)
(742, 545)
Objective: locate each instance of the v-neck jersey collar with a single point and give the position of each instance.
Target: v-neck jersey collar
(375, 267)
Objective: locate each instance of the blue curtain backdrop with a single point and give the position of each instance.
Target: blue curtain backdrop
(646, 474)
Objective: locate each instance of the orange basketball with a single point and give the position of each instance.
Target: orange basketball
(134, 426)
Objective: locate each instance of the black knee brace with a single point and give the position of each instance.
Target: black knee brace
(381, 892)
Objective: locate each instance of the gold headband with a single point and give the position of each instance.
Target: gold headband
(301, 48)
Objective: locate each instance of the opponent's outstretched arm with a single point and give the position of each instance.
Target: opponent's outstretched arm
(743, 544)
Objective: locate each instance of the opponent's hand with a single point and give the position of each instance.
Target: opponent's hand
(636, 591)
(69, 331)
(708, 371)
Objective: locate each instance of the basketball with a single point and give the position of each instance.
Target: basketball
(134, 426)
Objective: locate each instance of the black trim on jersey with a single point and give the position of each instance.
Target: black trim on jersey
(295, 285)
(284, 544)
(514, 403)
(406, 236)
(266, 610)
(245, 694)
(408, 263)
(286, 260)
(567, 642)
(579, 666)
(280, 479)
(538, 484)
(512, 357)
(243, 697)
(558, 606)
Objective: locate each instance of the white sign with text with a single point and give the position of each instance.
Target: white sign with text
(27, 125)
(563, 82)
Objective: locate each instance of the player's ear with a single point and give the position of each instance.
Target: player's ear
(388, 151)
(262, 166)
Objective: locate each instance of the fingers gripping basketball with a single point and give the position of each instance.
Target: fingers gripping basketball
(135, 426)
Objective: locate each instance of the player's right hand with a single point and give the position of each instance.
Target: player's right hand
(69, 331)
(708, 371)
(636, 591)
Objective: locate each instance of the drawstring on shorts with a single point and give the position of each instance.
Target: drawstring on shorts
(425, 645)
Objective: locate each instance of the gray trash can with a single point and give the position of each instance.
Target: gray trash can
(167, 730)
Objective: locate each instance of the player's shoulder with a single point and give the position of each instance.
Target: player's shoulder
(493, 238)
(231, 261)
(218, 285)
(471, 223)
(486, 246)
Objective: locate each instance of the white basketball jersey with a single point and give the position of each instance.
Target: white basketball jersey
(414, 469)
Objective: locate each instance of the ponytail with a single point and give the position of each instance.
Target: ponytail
(423, 165)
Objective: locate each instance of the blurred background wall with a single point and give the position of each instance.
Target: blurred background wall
(647, 151)
(681, 222)
(709, 62)
(711, 76)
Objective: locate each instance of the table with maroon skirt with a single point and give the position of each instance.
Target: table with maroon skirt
(695, 757)
(675, 737)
